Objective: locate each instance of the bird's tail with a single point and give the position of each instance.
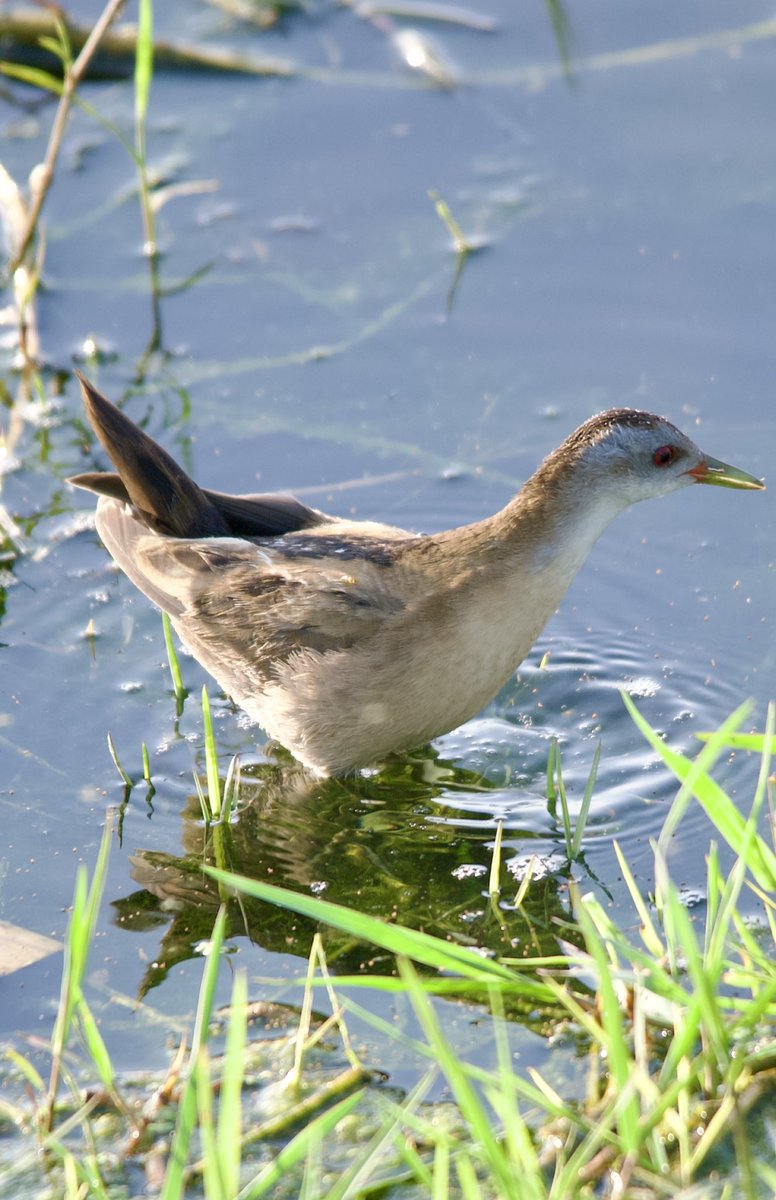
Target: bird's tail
(165, 498)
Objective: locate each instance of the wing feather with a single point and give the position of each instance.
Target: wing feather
(229, 594)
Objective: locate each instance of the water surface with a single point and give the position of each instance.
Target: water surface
(628, 213)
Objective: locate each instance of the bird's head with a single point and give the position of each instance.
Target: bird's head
(636, 455)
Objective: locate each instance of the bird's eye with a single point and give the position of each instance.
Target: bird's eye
(664, 456)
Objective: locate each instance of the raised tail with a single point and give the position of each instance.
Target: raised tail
(166, 499)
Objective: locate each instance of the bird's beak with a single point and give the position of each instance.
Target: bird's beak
(712, 470)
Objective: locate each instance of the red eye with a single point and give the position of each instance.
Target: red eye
(664, 456)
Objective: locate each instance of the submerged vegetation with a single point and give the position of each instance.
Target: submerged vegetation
(663, 1024)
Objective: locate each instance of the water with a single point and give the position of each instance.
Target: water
(630, 261)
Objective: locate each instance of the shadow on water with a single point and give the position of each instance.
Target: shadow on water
(373, 843)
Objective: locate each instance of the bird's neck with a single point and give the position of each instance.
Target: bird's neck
(501, 579)
(552, 524)
(515, 567)
(496, 583)
(522, 559)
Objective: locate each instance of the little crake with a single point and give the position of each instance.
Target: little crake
(348, 640)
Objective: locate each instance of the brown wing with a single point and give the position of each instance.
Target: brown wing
(251, 599)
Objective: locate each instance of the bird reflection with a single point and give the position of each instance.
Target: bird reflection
(380, 844)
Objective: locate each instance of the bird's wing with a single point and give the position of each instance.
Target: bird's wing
(257, 598)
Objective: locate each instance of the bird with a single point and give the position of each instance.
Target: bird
(349, 641)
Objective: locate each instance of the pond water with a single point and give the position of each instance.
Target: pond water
(627, 211)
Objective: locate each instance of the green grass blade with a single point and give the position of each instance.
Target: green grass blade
(204, 807)
(86, 903)
(472, 1108)
(230, 1110)
(757, 742)
(431, 951)
(467, 1177)
(114, 755)
(174, 1184)
(355, 1178)
(305, 1018)
(68, 987)
(211, 761)
(296, 1150)
(460, 244)
(212, 1165)
(231, 789)
(717, 805)
(440, 1187)
(96, 1046)
(172, 659)
(144, 60)
(516, 1136)
(58, 49)
(26, 1068)
(146, 763)
(612, 1024)
(584, 808)
(705, 983)
(33, 76)
(207, 989)
(494, 886)
(714, 885)
(564, 804)
(551, 756)
(649, 934)
(175, 1177)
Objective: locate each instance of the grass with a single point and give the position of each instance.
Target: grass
(676, 1024)
(462, 245)
(572, 834)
